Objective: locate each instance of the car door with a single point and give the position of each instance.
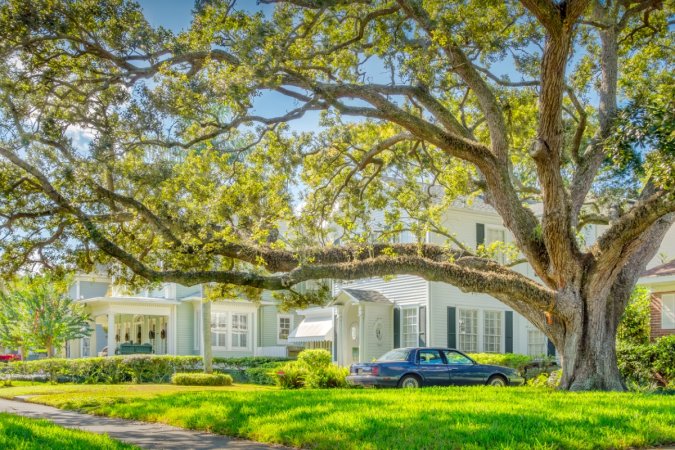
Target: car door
(432, 366)
(462, 370)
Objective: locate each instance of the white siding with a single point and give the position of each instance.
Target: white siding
(402, 290)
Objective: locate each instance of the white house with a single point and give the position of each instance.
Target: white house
(365, 319)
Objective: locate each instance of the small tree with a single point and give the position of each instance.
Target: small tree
(36, 313)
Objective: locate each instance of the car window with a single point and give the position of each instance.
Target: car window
(456, 358)
(430, 357)
(398, 354)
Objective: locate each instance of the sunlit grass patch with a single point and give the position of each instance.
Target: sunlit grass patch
(21, 433)
(472, 417)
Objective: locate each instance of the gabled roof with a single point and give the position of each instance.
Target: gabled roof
(664, 270)
(362, 295)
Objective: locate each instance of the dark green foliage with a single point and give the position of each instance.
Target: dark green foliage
(264, 374)
(132, 368)
(201, 379)
(648, 365)
(634, 327)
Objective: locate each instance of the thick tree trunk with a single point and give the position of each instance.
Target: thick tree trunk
(590, 363)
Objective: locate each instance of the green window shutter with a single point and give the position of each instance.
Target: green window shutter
(397, 328)
(550, 348)
(422, 316)
(508, 332)
(480, 234)
(452, 327)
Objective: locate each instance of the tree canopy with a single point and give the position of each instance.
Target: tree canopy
(176, 155)
(35, 313)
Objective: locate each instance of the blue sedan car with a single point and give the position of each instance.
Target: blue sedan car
(416, 367)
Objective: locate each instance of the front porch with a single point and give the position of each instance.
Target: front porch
(131, 325)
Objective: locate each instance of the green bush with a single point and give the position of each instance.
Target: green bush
(546, 379)
(313, 369)
(291, 376)
(647, 366)
(513, 360)
(264, 374)
(330, 376)
(315, 359)
(201, 379)
(130, 368)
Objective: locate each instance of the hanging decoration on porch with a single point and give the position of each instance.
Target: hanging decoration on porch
(163, 334)
(126, 336)
(151, 334)
(117, 337)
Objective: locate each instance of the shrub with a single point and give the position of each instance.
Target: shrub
(291, 376)
(545, 379)
(131, 368)
(634, 327)
(646, 366)
(263, 374)
(513, 360)
(330, 376)
(313, 369)
(315, 359)
(202, 379)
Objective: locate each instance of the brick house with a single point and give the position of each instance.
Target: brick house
(661, 281)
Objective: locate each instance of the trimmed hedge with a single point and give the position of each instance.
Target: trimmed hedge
(201, 379)
(130, 368)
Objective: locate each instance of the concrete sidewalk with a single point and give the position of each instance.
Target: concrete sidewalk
(142, 434)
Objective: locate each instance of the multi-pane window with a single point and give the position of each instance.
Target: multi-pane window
(492, 331)
(284, 328)
(536, 342)
(468, 330)
(239, 330)
(409, 327)
(496, 235)
(667, 311)
(219, 329)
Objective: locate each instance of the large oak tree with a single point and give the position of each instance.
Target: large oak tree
(176, 154)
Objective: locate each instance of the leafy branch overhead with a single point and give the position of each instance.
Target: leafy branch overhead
(177, 154)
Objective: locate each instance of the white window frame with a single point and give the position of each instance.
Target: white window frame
(668, 311)
(500, 329)
(290, 327)
(220, 330)
(461, 330)
(240, 331)
(414, 332)
(531, 345)
(500, 257)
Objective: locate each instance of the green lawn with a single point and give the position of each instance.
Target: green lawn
(21, 433)
(475, 417)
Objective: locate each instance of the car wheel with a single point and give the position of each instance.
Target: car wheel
(410, 381)
(497, 381)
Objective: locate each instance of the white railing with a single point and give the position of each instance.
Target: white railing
(278, 351)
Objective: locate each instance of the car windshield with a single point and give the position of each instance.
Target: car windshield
(399, 354)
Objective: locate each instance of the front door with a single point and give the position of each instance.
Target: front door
(433, 368)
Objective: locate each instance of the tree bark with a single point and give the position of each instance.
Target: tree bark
(206, 336)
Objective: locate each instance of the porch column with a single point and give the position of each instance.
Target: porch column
(111, 334)
(339, 336)
(362, 333)
(171, 331)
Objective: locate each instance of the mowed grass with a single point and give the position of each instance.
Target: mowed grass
(467, 418)
(21, 433)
